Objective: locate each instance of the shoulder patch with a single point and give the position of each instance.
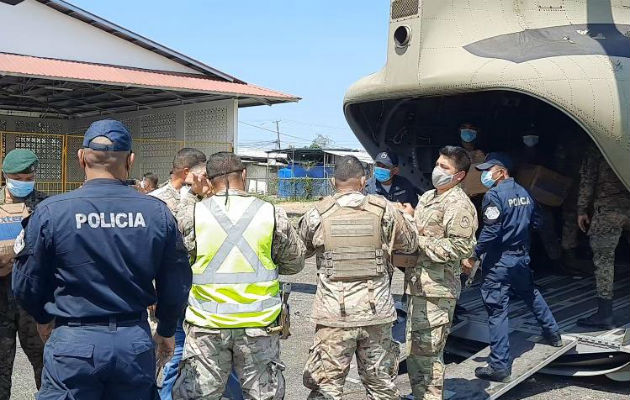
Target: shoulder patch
(19, 243)
(464, 222)
(492, 212)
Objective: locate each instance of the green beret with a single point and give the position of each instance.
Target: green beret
(19, 161)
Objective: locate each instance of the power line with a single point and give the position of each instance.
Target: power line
(271, 130)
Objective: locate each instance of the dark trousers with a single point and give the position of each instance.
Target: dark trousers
(99, 362)
(500, 282)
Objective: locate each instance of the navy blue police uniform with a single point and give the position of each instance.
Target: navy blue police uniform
(88, 260)
(508, 213)
(401, 190)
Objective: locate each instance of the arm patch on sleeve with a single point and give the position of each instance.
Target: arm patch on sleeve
(491, 214)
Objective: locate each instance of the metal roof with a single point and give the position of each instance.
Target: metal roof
(116, 30)
(76, 89)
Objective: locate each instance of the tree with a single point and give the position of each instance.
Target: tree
(321, 142)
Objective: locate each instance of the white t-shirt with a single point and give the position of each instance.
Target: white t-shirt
(386, 187)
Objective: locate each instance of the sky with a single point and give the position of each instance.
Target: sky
(314, 49)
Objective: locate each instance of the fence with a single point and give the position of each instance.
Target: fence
(59, 171)
(291, 188)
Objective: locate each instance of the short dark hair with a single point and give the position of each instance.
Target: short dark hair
(458, 155)
(223, 163)
(188, 158)
(151, 177)
(347, 168)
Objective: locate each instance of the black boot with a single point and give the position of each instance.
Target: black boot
(490, 374)
(554, 339)
(602, 319)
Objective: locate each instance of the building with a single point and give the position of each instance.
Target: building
(262, 169)
(73, 67)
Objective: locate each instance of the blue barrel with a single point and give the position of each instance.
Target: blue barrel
(321, 184)
(288, 185)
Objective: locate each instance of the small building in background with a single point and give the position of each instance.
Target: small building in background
(262, 169)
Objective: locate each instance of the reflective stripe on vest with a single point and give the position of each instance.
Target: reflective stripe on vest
(235, 239)
(235, 282)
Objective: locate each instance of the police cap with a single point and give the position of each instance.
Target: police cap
(496, 158)
(113, 130)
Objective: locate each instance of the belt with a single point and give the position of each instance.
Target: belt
(113, 321)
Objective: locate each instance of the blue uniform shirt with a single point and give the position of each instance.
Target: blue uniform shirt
(401, 191)
(95, 252)
(508, 212)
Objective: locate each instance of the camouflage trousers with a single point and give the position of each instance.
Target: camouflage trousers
(330, 357)
(606, 229)
(428, 324)
(14, 320)
(210, 355)
(569, 220)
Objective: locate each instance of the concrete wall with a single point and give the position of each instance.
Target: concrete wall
(158, 135)
(31, 28)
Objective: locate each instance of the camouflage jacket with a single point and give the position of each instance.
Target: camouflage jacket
(599, 186)
(367, 302)
(287, 250)
(6, 263)
(169, 195)
(446, 227)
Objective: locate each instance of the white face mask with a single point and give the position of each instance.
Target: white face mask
(440, 177)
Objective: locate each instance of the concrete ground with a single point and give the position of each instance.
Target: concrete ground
(295, 352)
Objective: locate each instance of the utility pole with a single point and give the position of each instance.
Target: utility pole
(277, 133)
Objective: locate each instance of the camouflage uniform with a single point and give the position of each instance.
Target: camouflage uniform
(210, 354)
(601, 189)
(13, 319)
(172, 197)
(354, 317)
(446, 226)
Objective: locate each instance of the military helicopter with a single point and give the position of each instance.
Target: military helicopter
(559, 68)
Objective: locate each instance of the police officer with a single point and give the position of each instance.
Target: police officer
(351, 235)
(240, 244)
(17, 200)
(508, 213)
(601, 190)
(85, 266)
(387, 183)
(447, 221)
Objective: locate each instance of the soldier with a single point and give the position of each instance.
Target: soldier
(240, 244)
(84, 270)
(351, 235)
(603, 191)
(185, 162)
(17, 200)
(447, 221)
(148, 183)
(185, 159)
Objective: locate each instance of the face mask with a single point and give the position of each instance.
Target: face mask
(440, 177)
(184, 190)
(468, 135)
(382, 174)
(487, 180)
(530, 140)
(20, 189)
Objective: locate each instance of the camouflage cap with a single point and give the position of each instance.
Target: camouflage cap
(19, 161)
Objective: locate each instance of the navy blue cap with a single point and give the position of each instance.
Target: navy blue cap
(113, 130)
(497, 158)
(386, 158)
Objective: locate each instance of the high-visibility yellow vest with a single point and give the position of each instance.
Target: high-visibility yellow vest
(235, 281)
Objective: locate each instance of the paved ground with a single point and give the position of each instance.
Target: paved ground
(295, 353)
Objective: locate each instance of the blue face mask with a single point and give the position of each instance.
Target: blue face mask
(382, 174)
(20, 189)
(487, 180)
(468, 135)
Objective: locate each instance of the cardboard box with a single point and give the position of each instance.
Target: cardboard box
(472, 182)
(546, 186)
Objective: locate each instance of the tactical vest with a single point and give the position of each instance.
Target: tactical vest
(235, 281)
(11, 216)
(353, 247)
